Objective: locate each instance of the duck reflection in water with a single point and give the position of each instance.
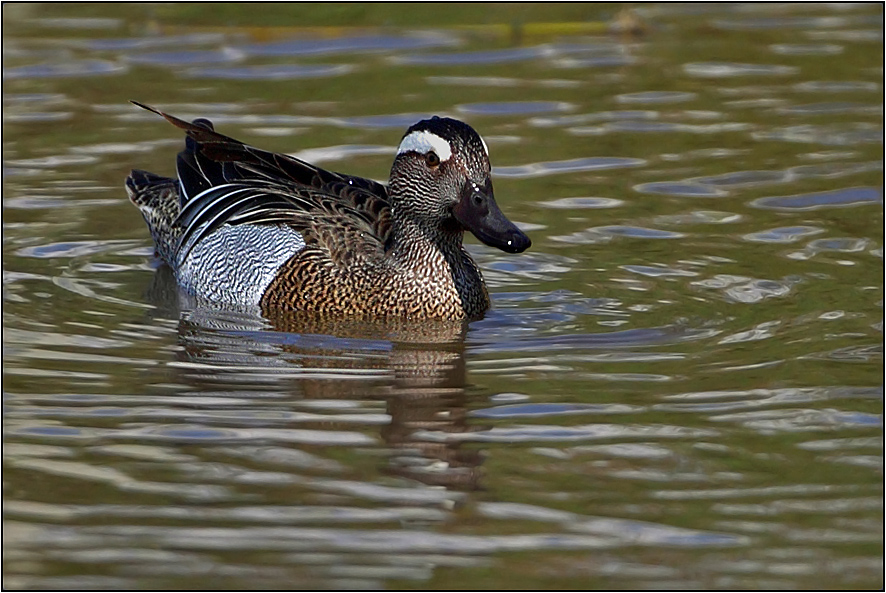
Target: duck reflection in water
(417, 367)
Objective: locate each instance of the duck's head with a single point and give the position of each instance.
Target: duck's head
(441, 180)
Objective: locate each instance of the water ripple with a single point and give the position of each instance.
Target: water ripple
(583, 118)
(396, 120)
(567, 166)
(627, 531)
(807, 49)
(348, 45)
(185, 57)
(503, 271)
(132, 43)
(499, 56)
(79, 22)
(743, 179)
(843, 443)
(29, 100)
(75, 248)
(851, 35)
(122, 481)
(801, 420)
(596, 61)
(700, 217)
(581, 203)
(836, 86)
(637, 232)
(732, 69)
(609, 340)
(37, 116)
(75, 69)
(502, 81)
(719, 185)
(741, 289)
(663, 127)
(841, 198)
(197, 434)
(680, 188)
(342, 152)
(366, 541)
(51, 162)
(607, 233)
(271, 72)
(659, 271)
(780, 507)
(653, 97)
(853, 354)
(838, 134)
(782, 22)
(832, 107)
(270, 514)
(765, 491)
(513, 107)
(790, 234)
(838, 244)
(545, 433)
(552, 409)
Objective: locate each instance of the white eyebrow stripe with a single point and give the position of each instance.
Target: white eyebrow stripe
(424, 142)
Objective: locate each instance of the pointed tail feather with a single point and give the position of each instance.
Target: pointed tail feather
(201, 130)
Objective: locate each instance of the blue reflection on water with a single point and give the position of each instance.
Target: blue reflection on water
(497, 56)
(346, 45)
(567, 166)
(513, 107)
(270, 72)
(64, 69)
(850, 196)
(178, 58)
(124, 44)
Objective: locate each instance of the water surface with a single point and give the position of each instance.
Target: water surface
(679, 386)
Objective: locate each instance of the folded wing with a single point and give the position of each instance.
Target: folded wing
(224, 181)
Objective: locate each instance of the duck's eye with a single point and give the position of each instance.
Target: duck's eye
(432, 159)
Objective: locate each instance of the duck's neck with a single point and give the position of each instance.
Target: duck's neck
(412, 240)
(441, 257)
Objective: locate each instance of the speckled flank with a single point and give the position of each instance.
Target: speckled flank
(234, 264)
(237, 263)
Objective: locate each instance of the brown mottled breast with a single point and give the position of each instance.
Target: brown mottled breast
(338, 273)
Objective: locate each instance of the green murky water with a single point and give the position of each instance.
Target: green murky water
(680, 385)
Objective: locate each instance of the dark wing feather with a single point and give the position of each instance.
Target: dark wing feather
(229, 158)
(227, 182)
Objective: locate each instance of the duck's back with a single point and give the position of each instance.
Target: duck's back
(237, 214)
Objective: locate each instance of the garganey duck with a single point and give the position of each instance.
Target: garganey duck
(246, 226)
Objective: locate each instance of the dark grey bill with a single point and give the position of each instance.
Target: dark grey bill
(478, 213)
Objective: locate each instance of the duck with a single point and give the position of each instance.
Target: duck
(245, 226)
